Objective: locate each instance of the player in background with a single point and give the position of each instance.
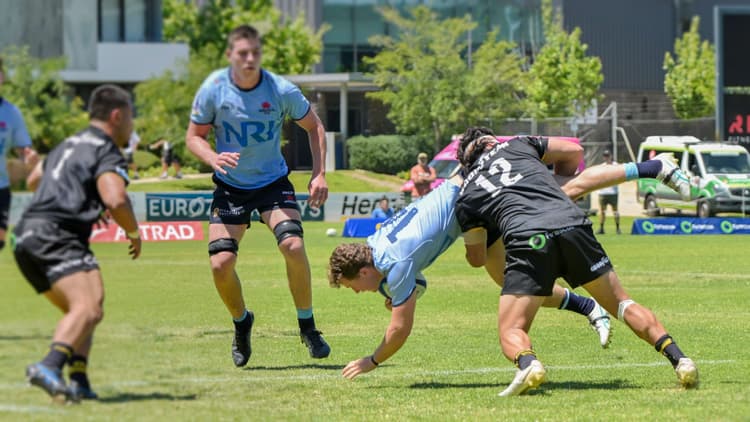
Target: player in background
(13, 136)
(80, 178)
(509, 188)
(392, 259)
(246, 107)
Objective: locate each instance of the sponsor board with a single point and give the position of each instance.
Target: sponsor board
(691, 226)
(196, 206)
(20, 200)
(151, 232)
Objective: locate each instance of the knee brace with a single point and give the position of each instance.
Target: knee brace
(225, 244)
(288, 228)
(622, 307)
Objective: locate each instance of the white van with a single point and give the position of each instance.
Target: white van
(719, 175)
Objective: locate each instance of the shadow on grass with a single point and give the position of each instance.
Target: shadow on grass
(568, 385)
(24, 337)
(131, 397)
(288, 367)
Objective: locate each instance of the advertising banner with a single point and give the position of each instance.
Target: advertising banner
(196, 206)
(151, 232)
(691, 226)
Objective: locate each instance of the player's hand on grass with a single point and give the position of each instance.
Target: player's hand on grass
(225, 159)
(356, 367)
(134, 249)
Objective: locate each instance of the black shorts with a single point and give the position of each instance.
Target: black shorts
(45, 252)
(4, 207)
(605, 200)
(533, 263)
(129, 157)
(235, 206)
(170, 157)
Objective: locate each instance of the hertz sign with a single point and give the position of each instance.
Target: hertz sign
(732, 32)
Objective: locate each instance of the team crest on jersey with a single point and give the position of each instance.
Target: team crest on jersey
(266, 108)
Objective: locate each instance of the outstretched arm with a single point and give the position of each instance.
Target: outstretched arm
(402, 320)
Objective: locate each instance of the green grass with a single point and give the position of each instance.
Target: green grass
(338, 181)
(162, 350)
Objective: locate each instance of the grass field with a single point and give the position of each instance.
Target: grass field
(162, 351)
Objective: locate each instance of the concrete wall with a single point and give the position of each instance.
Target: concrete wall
(34, 23)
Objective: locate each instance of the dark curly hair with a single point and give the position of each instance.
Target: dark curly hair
(472, 145)
(346, 261)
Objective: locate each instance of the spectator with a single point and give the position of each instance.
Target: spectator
(383, 209)
(422, 175)
(608, 196)
(129, 151)
(168, 158)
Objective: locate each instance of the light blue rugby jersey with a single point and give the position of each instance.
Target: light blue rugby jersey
(13, 134)
(249, 122)
(412, 239)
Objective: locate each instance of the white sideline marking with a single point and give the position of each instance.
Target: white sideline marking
(337, 374)
(4, 407)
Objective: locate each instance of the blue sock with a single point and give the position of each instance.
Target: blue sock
(576, 303)
(650, 168)
(242, 318)
(304, 313)
(631, 171)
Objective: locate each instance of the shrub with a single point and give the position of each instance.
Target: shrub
(387, 154)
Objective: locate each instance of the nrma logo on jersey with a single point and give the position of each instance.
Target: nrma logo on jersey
(197, 206)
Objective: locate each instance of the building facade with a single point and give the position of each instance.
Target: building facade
(116, 41)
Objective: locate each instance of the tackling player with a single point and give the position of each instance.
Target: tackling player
(509, 188)
(79, 179)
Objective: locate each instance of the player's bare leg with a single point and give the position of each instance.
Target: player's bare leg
(228, 285)
(299, 276)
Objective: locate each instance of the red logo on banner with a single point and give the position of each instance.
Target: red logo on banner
(151, 232)
(736, 127)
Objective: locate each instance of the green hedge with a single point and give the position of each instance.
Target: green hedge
(388, 154)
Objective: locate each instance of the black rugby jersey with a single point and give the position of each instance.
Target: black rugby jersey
(67, 193)
(510, 188)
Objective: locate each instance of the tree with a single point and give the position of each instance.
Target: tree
(426, 82)
(496, 82)
(562, 80)
(34, 85)
(690, 76)
(421, 74)
(163, 103)
(288, 47)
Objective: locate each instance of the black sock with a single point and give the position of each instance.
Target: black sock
(576, 303)
(667, 347)
(2, 244)
(77, 370)
(245, 321)
(58, 354)
(306, 324)
(649, 168)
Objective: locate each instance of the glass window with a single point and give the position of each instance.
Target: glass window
(135, 20)
(109, 24)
